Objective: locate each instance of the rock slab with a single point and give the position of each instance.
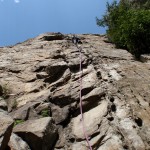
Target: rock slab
(6, 126)
(40, 134)
(16, 143)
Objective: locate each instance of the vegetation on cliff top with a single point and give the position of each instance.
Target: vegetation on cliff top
(128, 25)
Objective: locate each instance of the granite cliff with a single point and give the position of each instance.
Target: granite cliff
(39, 95)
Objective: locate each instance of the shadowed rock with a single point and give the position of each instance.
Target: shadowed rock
(51, 36)
(6, 126)
(16, 143)
(42, 78)
(3, 104)
(1, 90)
(40, 134)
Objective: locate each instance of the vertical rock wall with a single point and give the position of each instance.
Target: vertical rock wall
(40, 78)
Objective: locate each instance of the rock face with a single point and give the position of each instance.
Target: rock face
(41, 76)
(6, 126)
(39, 134)
(3, 104)
(16, 143)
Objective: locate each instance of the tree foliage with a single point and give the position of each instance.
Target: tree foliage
(128, 25)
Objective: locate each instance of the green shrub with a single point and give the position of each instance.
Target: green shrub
(18, 121)
(140, 4)
(136, 31)
(45, 113)
(128, 27)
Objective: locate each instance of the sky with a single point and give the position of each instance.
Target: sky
(24, 19)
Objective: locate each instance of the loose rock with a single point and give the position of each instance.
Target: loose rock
(6, 126)
(16, 143)
(39, 134)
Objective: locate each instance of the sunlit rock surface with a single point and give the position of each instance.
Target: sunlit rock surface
(39, 79)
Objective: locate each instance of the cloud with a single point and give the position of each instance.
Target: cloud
(17, 1)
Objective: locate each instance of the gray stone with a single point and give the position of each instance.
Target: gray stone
(16, 143)
(60, 114)
(92, 119)
(33, 97)
(6, 126)
(39, 134)
(25, 112)
(115, 91)
(3, 104)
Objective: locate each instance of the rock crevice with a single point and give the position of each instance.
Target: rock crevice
(39, 89)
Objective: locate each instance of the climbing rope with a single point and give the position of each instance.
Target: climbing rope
(76, 40)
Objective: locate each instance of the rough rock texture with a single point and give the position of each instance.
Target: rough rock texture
(40, 134)
(16, 143)
(6, 126)
(42, 78)
(145, 58)
(3, 104)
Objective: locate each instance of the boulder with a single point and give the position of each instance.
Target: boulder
(59, 114)
(32, 97)
(16, 143)
(92, 119)
(40, 134)
(6, 126)
(25, 112)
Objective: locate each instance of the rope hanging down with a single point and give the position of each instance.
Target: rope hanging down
(76, 40)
